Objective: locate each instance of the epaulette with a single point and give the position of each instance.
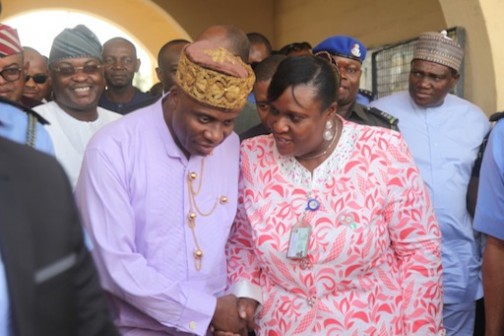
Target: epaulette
(368, 94)
(25, 109)
(388, 118)
(496, 116)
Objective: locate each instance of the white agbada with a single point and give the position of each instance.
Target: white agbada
(70, 136)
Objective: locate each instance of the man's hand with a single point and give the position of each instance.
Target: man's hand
(226, 316)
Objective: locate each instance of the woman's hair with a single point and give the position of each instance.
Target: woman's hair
(308, 70)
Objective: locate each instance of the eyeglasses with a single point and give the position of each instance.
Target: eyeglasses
(68, 70)
(37, 78)
(11, 74)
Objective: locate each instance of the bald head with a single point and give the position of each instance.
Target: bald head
(31, 54)
(121, 63)
(229, 37)
(168, 58)
(119, 42)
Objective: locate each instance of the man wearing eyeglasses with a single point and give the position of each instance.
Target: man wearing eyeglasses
(37, 84)
(347, 54)
(75, 65)
(17, 122)
(120, 65)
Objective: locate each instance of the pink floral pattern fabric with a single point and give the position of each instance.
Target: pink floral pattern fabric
(374, 264)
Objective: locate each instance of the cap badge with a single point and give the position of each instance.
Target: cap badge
(356, 50)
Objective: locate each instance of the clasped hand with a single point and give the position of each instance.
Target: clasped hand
(233, 316)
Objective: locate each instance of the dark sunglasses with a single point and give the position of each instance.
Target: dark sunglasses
(37, 78)
(68, 70)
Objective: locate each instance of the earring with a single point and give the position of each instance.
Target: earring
(328, 133)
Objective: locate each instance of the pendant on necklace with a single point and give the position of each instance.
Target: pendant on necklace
(198, 256)
(312, 204)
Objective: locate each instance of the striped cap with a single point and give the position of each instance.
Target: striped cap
(9, 41)
(75, 42)
(439, 48)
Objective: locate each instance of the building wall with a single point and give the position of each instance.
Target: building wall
(370, 21)
(196, 15)
(482, 21)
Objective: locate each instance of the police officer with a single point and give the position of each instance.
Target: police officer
(348, 53)
(472, 190)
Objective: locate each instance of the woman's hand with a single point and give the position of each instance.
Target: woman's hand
(246, 309)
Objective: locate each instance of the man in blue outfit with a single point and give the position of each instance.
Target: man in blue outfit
(17, 123)
(489, 219)
(444, 133)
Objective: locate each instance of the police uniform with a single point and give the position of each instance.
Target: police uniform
(371, 116)
(349, 47)
(18, 123)
(23, 125)
(477, 164)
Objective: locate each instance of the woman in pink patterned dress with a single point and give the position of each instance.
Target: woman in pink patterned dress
(335, 234)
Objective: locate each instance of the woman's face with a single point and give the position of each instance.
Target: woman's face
(297, 122)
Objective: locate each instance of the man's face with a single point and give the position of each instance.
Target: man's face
(38, 84)
(77, 83)
(350, 73)
(198, 128)
(257, 53)
(261, 98)
(430, 82)
(167, 69)
(12, 68)
(120, 63)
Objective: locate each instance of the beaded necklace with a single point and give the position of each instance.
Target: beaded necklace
(194, 211)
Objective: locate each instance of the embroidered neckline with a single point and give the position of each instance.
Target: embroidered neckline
(302, 177)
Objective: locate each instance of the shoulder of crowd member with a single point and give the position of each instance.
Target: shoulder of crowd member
(496, 116)
(148, 100)
(25, 109)
(389, 119)
(367, 93)
(379, 117)
(479, 159)
(254, 131)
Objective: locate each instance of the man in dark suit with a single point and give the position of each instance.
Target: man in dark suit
(52, 287)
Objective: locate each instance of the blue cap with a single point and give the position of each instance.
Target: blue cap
(344, 46)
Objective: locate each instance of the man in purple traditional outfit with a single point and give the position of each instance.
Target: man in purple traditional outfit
(158, 194)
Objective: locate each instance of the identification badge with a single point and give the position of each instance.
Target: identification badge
(299, 241)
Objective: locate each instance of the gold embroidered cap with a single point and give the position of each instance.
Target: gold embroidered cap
(213, 76)
(438, 48)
